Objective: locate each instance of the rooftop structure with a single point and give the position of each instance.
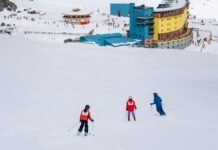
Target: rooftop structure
(169, 5)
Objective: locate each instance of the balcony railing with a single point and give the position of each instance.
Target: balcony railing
(145, 18)
(145, 23)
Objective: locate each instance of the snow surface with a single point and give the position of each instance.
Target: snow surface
(45, 85)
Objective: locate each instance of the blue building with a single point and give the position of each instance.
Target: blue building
(99, 39)
(121, 41)
(113, 39)
(119, 9)
(141, 22)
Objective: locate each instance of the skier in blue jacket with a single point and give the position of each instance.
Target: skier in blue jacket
(158, 103)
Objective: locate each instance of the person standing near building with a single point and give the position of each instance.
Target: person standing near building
(84, 117)
(130, 108)
(158, 103)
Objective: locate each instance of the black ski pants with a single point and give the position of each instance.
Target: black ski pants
(84, 123)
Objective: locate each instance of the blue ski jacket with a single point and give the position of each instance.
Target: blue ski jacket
(157, 101)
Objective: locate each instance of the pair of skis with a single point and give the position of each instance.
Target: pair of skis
(86, 134)
(79, 133)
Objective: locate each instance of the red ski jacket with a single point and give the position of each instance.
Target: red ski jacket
(130, 105)
(85, 116)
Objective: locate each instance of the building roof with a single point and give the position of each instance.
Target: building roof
(99, 39)
(102, 36)
(121, 41)
(168, 5)
(143, 7)
(113, 39)
(77, 13)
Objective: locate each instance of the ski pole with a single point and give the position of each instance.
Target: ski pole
(73, 126)
(153, 112)
(125, 116)
(93, 129)
(152, 109)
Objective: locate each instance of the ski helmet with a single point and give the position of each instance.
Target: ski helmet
(155, 94)
(87, 106)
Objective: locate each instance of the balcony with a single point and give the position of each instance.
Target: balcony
(145, 18)
(145, 23)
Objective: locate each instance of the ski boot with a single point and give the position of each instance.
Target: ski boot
(86, 134)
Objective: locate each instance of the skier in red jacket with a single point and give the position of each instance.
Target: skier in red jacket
(130, 108)
(84, 117)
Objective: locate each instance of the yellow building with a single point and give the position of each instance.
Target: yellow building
(171, 24)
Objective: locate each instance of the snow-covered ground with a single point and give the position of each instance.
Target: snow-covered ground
(45, 85)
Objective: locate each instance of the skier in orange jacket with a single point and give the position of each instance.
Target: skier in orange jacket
(84, 117)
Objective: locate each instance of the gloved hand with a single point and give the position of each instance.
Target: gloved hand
(92, 120)
(151, 104)
(135, 108)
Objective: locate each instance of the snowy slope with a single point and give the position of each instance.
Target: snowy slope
(44, 87)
